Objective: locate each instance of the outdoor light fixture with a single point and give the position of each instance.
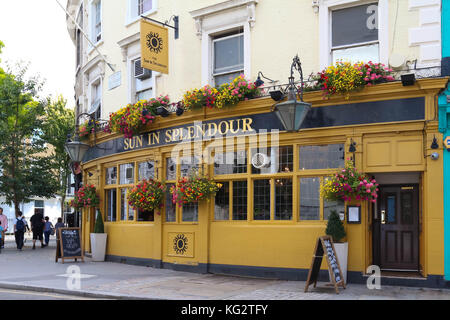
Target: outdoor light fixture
(259, 82)
(434, 144)
(77, 149)
(276, 95)
(352, 148)
(163, 112)
(292, 112)
(408, 79)
(179, 111)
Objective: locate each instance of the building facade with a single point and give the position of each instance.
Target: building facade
(265, 220)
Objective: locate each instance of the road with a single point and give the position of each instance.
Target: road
(7, 294)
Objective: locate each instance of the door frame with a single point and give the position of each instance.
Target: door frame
(376, 228)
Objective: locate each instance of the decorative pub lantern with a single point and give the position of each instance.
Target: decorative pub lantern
(77, 149)
(292, 112)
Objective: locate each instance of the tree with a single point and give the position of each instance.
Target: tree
(58, 124)
(25, 167)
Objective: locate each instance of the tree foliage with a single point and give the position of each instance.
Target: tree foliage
(25, 166)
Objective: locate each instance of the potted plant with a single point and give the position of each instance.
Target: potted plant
(98, 239)
(336, 230)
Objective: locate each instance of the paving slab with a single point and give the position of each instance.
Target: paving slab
(36, 270)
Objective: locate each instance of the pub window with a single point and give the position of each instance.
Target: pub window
(145, 215)
(261, 199)
(127, 173)
(322, 157)
(190, 212)
(111, 204)
(222, 203)
(230, 162)
(171, 169)
(111, 175)
(146, 170)
(126, 211)
(354, 34)
(239, 200)
(170, 208)
(273, 160)
(228, 57)
(283, 199)
(309, 198)
(328, 206)
(188, 165)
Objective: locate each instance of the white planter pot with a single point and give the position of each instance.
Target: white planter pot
(342, 254)
(98, 246)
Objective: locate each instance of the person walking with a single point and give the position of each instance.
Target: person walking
(58, 225)
(4, 222)
(37, 226)
(1, 237)
(48, 227)
(20, 226)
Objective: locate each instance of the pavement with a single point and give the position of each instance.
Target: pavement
(36, 270)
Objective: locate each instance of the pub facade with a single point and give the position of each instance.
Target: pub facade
(266, 218)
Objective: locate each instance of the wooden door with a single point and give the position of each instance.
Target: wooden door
(399, 227)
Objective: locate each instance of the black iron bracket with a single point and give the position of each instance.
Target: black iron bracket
(176, 23)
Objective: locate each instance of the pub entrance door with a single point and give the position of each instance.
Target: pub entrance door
(398, 228)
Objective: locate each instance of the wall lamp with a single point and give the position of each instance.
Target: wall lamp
(292, 112)
(434, 144)
(163, 112)
(77, 149)
(260, 82)
(408, 79)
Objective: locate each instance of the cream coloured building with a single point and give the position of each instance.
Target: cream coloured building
(219, 39)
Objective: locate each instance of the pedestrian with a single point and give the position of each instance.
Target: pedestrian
(37, 226)
(20, 226)
(58, 225)
(1, 237)
(48, 227)
(4, 222)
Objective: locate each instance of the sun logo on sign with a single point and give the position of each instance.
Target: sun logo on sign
(180, 244)
(154, 42)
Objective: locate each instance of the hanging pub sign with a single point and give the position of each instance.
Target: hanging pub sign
(325, 247)
(154, 47)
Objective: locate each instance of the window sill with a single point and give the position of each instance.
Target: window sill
(131, 21)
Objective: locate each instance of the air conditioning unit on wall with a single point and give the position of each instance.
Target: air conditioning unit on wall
(141, 73)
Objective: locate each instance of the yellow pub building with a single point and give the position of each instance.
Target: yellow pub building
(267, 216)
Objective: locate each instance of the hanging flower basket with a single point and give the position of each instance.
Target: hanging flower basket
(147, 195)
(348, 185)
(193, 189)
(85, 197)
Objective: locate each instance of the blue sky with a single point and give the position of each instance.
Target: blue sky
(36, 32)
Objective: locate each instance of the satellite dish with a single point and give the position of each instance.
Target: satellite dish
(260, 160)
(396, 61)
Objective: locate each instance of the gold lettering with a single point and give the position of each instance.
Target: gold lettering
(168, 136)
(126, 143)
(231, 126)
(138, 141)
(200, 129)
(226, 127)
(209, 129)
(176, 134)
(153, 138)
(247, 124)
(132, 143)
(191, 132)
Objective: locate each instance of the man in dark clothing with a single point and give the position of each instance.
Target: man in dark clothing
(37, 226)
(20, 226)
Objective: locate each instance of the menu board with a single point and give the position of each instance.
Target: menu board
(69, 244)
(325, 247)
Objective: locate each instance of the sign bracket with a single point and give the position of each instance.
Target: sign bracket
(165, 24)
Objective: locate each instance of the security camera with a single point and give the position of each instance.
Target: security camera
(434, 156)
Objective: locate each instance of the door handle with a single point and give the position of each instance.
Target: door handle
(383, 216)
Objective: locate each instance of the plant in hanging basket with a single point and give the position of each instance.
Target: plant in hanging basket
(85, 197)
(147, 195)
(87, 128)
(348, 184)
(194, 188)
(199, 98)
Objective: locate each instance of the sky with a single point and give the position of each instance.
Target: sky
(35, 31)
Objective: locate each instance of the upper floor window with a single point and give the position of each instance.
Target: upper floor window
(96, 99)
(143, 81)
(228, 57)
(354, 34)
(137, 8)
(96, 20)
(79, 36)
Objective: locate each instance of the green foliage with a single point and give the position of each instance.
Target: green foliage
(335, 228)
(25, 166)
(99, 226)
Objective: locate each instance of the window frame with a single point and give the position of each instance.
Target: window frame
(151, 82)
(93, 23)
(133, 7)
(217, 38)
(97, 82)
(325, 28)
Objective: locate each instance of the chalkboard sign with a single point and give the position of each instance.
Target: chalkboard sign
(69, 244)
(324, 246)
